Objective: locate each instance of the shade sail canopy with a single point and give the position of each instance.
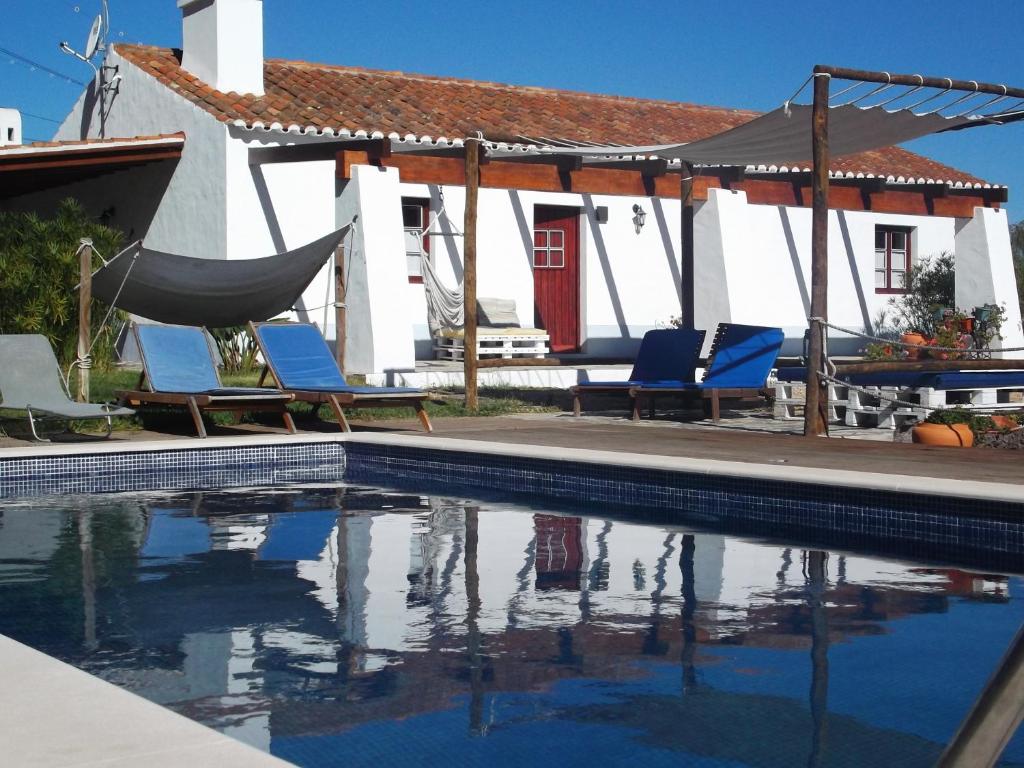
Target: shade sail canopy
(215, 293)
(783, 136)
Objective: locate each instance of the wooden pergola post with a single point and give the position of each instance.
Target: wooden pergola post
(816, 403)
(469, 272)
(84, 318)
(340, 314)
(686, 288)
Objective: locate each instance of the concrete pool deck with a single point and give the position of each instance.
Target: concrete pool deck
(57, 715)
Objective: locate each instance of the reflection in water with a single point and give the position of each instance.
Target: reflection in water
(316, 623)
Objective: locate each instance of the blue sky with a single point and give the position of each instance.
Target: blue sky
(735, 54)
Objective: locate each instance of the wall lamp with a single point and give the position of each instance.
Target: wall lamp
(639, 217)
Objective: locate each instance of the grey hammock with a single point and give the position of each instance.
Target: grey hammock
(215, 293)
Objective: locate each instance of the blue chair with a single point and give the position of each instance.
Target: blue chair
(741, 358)
(179, 369)
(299, 360)
(668, 356)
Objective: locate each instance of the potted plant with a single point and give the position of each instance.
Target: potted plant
(951, 428)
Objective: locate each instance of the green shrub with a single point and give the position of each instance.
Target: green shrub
(38, 274)
(977, 423)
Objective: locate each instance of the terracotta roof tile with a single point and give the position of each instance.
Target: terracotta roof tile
(354, 99)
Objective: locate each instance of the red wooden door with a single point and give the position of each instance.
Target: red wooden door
(556, 275)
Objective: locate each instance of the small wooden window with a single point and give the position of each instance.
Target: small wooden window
(415, 218)
(892, 259)
(548, 249)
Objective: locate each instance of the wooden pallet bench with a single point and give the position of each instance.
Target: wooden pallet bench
(504, 345)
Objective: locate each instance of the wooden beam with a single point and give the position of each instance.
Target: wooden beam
(687, 292)
(653, 168)
(519, 362)
(945, 83)
(816, 402)
(340, 311)
(14, 164)
(472, 182)
(996, 715)
(319, 150)
(84, 318)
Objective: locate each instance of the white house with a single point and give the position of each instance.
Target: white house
(278, 153)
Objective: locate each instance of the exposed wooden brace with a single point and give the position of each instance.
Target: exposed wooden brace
(319, 150)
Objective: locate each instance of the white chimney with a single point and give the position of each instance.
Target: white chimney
(10, 127)
(222, 43)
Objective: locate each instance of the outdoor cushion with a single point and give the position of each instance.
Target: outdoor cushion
(742, 357)
(919, 379)
(667, 357)
(497, 313)
(301, 361)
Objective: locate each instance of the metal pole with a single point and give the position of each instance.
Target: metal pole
(816, 403)
(686, 289)
(340, 315)
(469, 272)
(84, 318)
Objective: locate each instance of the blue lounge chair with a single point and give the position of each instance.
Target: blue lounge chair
(741, 358)
(31, 381)
(303, 365)
(179, 368)
(668, 355)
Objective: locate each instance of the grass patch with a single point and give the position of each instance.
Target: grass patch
(444, 404)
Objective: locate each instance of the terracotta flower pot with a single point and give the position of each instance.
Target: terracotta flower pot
(913, 338)
(1004, 423)
(946, 435)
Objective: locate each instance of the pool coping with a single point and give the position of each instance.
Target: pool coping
(795, 473)
(58, 715)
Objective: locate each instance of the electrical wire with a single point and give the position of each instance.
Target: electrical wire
(41, 67)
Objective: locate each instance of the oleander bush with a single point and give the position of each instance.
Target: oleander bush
(38, 274)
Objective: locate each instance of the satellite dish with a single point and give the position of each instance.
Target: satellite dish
(93, 41)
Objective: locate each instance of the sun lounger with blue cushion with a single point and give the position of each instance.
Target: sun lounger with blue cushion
(667, 355)
(303, 365)
(741, 358)
(178, 366)
(31, 381)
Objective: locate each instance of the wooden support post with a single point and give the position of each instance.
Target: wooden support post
(686, 288)
(816, 403)
(469, 271)
(84, 318)
(340, 315)
(995, 716)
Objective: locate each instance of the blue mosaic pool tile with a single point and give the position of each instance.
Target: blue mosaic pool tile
(198, 468)
(830, 515)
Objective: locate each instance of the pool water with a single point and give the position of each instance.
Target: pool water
(354, 626)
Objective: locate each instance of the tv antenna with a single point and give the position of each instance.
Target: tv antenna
(95, 43)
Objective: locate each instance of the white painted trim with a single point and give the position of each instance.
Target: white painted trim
(91, 146)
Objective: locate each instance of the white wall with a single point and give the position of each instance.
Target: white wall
(190, 211)
(753, 265)
(10, 127)
(984, 270)
(379, 320)
(629, 281)
(275, 207)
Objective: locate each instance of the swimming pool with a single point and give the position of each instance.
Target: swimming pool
(341, 624)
